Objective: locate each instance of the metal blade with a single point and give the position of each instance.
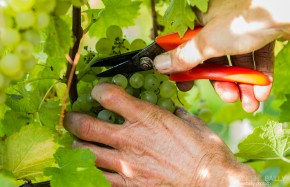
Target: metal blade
(123, 68)
(114, 60)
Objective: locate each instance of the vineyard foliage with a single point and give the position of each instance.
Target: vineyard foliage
(41, 42)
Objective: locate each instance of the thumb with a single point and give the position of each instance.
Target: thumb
(183, 58)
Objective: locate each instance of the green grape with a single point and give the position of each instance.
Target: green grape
(25, 19)
(8, 21)
(121, 47)
(119, 119)
(45, 5)
(2, 81)
(107, 115)
(120, 80)
(114, 32)
(10, 65)
(42, 20)
(2, 98)
(105, 80)
(125, 48)
(89, 77)
(162, 77)
(138, 44)
(32, 36)
(62, 7)
(149, 96)
(21, 5)
(83, 103)
(130, 90)
(151, 82)
(9, 37)
(104, 46)
(24, 50)
(167, 89)
(136, 80)
(167, 104)
(205, 114)
(29, 64)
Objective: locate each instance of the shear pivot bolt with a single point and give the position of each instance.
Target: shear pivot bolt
(146, 63)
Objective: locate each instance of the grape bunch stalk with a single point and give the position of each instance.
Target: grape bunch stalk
(148, 85)
(20, 27)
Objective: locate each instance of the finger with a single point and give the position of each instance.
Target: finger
(248, 99)
(117, 100)
(227, 91)
(106, 158)
(191, 119)
(264, 59)
(92, 129)
(185, 86)
(115, 179)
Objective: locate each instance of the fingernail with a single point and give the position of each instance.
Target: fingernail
(162, 62)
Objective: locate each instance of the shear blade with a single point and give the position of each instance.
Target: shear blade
(123, 68)
(114, 60)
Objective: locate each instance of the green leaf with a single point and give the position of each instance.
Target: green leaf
(225, 114)
(116, 12)
(7, 179)
(270, 141)
(285, 108)
(29, 151)
(179, 17)
(49, 113)
(75, 168)
(281, 72)
(202, 5)
(11, 126)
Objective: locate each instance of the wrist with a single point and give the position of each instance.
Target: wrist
(215, 170)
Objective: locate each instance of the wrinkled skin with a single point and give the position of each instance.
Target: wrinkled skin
(243, 29)
(154, 147)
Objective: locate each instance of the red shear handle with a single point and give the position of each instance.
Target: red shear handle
(222, 73)
(171, 41)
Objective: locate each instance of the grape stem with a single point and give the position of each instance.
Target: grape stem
(78, 34)
(154, 19)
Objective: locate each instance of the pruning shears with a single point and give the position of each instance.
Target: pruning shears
(142, 60)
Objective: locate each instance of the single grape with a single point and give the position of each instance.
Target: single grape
(120, 80)
(10, 65)
(161, 77)
(32, 36)
(130, 90)
(167, 89)
(45, 5)
(42, 20)
(114, 32)
(107, 115)
(25, 19)
(84, 102)
(8, 21)
(24, 50)
(149, 96)
(2, 98)
(119, 119)
(29, 64)
(137, 44)
(104, 46)
(9, 37)
(21, 5)
(89, 77)
(167, 104)
(62, 7)
(137, 80)
(205, 114)
(105, 80)
(151, 82)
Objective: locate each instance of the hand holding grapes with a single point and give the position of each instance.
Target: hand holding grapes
(154, 147)
(234, 28)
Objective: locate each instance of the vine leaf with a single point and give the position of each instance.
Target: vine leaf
(202, 5)
(285, 108)
(75, 168)
(29, 151)
(281, 72)
(270, 141)
(7, 179)
(116, 12)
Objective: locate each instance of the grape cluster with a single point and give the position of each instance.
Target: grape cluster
(115, 43)
(22, 21)
(149, 86)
